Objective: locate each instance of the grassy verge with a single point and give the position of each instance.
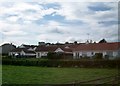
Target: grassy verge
(45, 75)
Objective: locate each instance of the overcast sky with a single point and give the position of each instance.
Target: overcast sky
(32, 22)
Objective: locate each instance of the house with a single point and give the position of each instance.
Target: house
(44, 50)
(110, 49)
(30, 47)
(22, 52)
(76, 51)
(6, 48)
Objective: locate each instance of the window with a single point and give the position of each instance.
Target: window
(38, 54)
(77, 54)
(110, 53)
(92, 53)
(84, 54)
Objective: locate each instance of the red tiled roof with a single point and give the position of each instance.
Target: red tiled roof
(67, 49)
(46, 48)
(17, 50)
(29, 51)
(98, 46)
(73, 46)
(52, 48)
(22, 49)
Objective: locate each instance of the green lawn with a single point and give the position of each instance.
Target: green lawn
(44, 75)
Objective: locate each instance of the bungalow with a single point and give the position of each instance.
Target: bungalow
(6, 48)
(30, 47)
(44, 50)
(110, 49)
(22, 52)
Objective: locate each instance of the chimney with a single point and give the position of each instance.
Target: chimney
(87, 42)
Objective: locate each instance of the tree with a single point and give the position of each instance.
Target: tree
(98, 56)
(103, 41)
(66, 42)
(106, 56)
(53, 55)
(75, 42)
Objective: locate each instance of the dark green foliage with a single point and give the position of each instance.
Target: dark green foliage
(66, 42)
(106, 56)
(54, 55)
(98, 56)
(75, 42)
(103, 41)
(51, 55)
(86, 57)
(63, 63)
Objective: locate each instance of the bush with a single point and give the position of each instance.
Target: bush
(106, 56)
(98, 56)
(54, 55)
(86, 57)
(63, 63)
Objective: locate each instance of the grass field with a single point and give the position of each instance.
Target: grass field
(45, 75)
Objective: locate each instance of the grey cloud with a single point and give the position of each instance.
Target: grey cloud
(56, 30)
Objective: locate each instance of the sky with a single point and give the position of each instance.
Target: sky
(33, 22)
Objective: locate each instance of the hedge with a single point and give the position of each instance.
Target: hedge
(63, 63)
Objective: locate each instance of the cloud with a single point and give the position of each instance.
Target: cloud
(51, 1)
(6, 27)
(30, 22)
(15, 33)
(24, 12)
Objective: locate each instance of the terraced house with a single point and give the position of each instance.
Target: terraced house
(24, 51)
(42, 51)
(112, 50)
(74, 51)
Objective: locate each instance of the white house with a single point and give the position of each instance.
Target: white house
(110, 49)
(22, 52)
(44, 50)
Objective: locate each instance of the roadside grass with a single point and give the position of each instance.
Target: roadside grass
(51, 75)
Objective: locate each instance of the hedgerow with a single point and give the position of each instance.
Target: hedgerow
(63, 63)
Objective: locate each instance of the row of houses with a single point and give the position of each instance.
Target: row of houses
(40, 51)
(75, 51)
(111, 50)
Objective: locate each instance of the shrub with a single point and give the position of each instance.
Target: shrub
(98, 56)
(86, 57)
(54, 55)
(63, 63)
(106, 56)
(50, 55)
